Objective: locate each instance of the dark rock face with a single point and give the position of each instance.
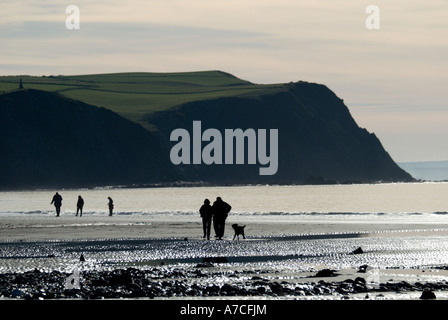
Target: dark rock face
(47, 140)
(318, 140)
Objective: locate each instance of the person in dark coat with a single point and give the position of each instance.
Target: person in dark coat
(206, 215)
(110, 204)
(57, 201)
(79, 206)
(221, 210)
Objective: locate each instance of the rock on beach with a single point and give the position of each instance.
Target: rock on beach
(169, 282)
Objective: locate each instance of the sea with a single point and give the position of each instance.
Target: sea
(423, 199)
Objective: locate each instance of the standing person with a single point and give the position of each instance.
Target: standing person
(57, 201)
(79, 206)
(221, 210)
(206, 215)
(110, 204)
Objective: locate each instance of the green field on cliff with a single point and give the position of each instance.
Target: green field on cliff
(133, 95)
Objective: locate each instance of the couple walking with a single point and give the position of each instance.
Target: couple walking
(218, 212)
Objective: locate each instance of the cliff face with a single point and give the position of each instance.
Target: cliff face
(47, 140)
(317, 137)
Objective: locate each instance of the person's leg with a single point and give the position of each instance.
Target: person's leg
(220, 229)
(208, 227)
(204, 227)
(216, 227)
(223, 226)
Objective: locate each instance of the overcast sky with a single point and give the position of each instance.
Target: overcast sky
(394, 80)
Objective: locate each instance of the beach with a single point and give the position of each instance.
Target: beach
(280, 258)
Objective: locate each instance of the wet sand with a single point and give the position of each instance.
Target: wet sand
(275, 250)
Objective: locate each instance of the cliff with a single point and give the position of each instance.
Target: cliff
(50, 141)
(318, 140)
(47, 140)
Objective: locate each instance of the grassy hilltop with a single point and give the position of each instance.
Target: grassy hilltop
(133, 95)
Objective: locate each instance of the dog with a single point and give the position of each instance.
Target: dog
(239, 230)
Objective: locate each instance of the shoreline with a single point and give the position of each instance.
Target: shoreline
(48, 227)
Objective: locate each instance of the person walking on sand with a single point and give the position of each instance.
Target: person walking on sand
(57, 201)
(79, 206)
(206, 215)
(110, 204)
(221, 210)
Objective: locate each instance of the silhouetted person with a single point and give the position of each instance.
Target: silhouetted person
(221, 210)
(206, 215)
(110, 204)
(57, 201)
(20, 84)
(79, 206)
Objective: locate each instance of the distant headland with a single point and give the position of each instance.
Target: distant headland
(114, 129)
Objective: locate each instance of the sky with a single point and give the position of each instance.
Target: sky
(393, 79)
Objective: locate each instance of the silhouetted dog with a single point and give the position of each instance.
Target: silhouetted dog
(239, 230)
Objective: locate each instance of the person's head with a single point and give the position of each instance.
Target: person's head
(218, 199)
(206, 201)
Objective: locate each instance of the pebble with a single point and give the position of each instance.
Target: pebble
(326, 273)
(186, 282)
(358, 251)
